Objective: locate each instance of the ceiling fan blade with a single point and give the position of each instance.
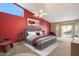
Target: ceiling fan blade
(42, 14)
(45, 14)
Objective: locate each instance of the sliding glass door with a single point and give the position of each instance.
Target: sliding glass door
(66, 30)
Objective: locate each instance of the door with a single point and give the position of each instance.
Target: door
(66, 30)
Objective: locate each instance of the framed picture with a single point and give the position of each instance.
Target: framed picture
(32, 22)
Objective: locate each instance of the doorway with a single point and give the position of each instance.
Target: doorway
(66, 30)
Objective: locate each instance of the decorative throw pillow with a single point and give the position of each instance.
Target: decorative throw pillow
(37, 33)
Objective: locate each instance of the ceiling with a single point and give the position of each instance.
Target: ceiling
(57, 12)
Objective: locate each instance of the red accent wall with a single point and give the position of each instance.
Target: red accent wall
(11, 25)
(43, 24)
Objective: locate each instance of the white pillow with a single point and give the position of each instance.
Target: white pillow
(41, 33)
(31, 34)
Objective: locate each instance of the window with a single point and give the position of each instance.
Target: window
(11, 8)
(66, 30)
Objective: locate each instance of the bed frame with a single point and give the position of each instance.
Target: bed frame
(40, 46)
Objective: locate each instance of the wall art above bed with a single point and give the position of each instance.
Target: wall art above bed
(32, 22)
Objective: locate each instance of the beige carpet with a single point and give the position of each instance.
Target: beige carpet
(24, 54)
(45, 51)
(63, 50)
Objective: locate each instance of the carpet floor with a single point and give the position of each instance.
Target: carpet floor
(64, 49)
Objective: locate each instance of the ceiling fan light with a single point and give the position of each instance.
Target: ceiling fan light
(41, 11)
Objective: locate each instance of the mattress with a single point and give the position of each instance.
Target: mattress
(43, 42)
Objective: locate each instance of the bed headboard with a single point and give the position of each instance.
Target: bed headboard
(33, 29)
(26, 30)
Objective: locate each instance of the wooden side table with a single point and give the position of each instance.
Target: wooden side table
(5, 44)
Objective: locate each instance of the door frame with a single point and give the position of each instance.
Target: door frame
(64, 23)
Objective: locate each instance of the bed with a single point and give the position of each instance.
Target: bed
(36, 38)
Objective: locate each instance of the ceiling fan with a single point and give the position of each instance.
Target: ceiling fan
(40, 13)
